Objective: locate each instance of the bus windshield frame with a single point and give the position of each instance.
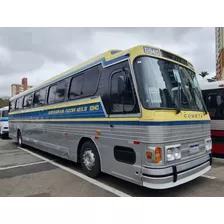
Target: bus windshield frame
(166, 85)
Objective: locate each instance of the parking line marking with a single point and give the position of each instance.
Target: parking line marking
(209, 177)
(84, 177)
(5, 151)
(218, 159)
(21, 165)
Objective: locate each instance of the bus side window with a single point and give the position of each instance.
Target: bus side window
(215, 104)
(11, 106)
(61, 90)
(90, 83)
(52, 94)
(27, 103)
(76, 87)
(85, 84)
(39, 97)
(19, 103)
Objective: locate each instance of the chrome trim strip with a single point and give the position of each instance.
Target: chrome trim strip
(157, 172)
(192, 171)
(147, 181)
(188, 165)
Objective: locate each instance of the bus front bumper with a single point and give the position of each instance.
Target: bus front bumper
(169, 177)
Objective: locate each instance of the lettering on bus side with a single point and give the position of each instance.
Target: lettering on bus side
(81, 109)
(90, 108)
(62, 111)
(196, 116)
(94, 108)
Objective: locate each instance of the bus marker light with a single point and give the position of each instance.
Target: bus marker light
(136, 142)
(98, 132)
(149, 155)
(96, 137)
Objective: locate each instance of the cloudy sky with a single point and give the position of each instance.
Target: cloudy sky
(40, 53)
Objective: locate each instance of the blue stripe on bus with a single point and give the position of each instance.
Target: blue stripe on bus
(141, 123)
(92, 110)
(4, 119)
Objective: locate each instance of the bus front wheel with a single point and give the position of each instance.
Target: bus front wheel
(90, 159)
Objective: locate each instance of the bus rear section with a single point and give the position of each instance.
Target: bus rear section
(4, 126)
(213, 94)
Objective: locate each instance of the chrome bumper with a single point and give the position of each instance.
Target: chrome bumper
(169, 177)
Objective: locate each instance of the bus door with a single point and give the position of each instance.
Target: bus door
(124, 133)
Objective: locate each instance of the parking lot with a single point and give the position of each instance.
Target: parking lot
(30, 172)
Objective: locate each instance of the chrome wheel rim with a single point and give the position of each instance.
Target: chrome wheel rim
(88, 159)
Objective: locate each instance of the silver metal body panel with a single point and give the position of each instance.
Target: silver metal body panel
(62, 140)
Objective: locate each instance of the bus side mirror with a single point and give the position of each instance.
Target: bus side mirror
(121, 85)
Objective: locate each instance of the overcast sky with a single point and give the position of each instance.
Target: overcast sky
(40, 53)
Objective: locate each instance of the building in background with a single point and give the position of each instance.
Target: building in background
(219, 42)
(18, 88)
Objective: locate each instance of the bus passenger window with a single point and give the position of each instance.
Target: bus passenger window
(51, 95)
(90, 82)
(215, 104)
(39, 97)
(19, 103)
(11, 106)
(28, 101)
(76, 87)
(61, 90)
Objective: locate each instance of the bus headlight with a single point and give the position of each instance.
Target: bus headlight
(208, 144)
(173, 152)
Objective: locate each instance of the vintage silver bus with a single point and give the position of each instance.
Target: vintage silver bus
(136, 114)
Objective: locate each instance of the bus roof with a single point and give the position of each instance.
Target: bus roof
(106, 58)
(212, 85)
(4, 108)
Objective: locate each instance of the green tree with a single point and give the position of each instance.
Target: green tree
(4, 102)
(203, 74)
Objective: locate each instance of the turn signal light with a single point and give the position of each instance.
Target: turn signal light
(158, 154)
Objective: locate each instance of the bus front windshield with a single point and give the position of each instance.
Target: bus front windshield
(164, 84)
(4, 113)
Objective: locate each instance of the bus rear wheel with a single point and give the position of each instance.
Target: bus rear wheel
(90, 159)
(19, 139)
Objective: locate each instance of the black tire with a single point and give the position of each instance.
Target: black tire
(4, 136)
(89, 151)
(19, 139)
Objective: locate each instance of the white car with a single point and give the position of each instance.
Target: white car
(4, 124)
